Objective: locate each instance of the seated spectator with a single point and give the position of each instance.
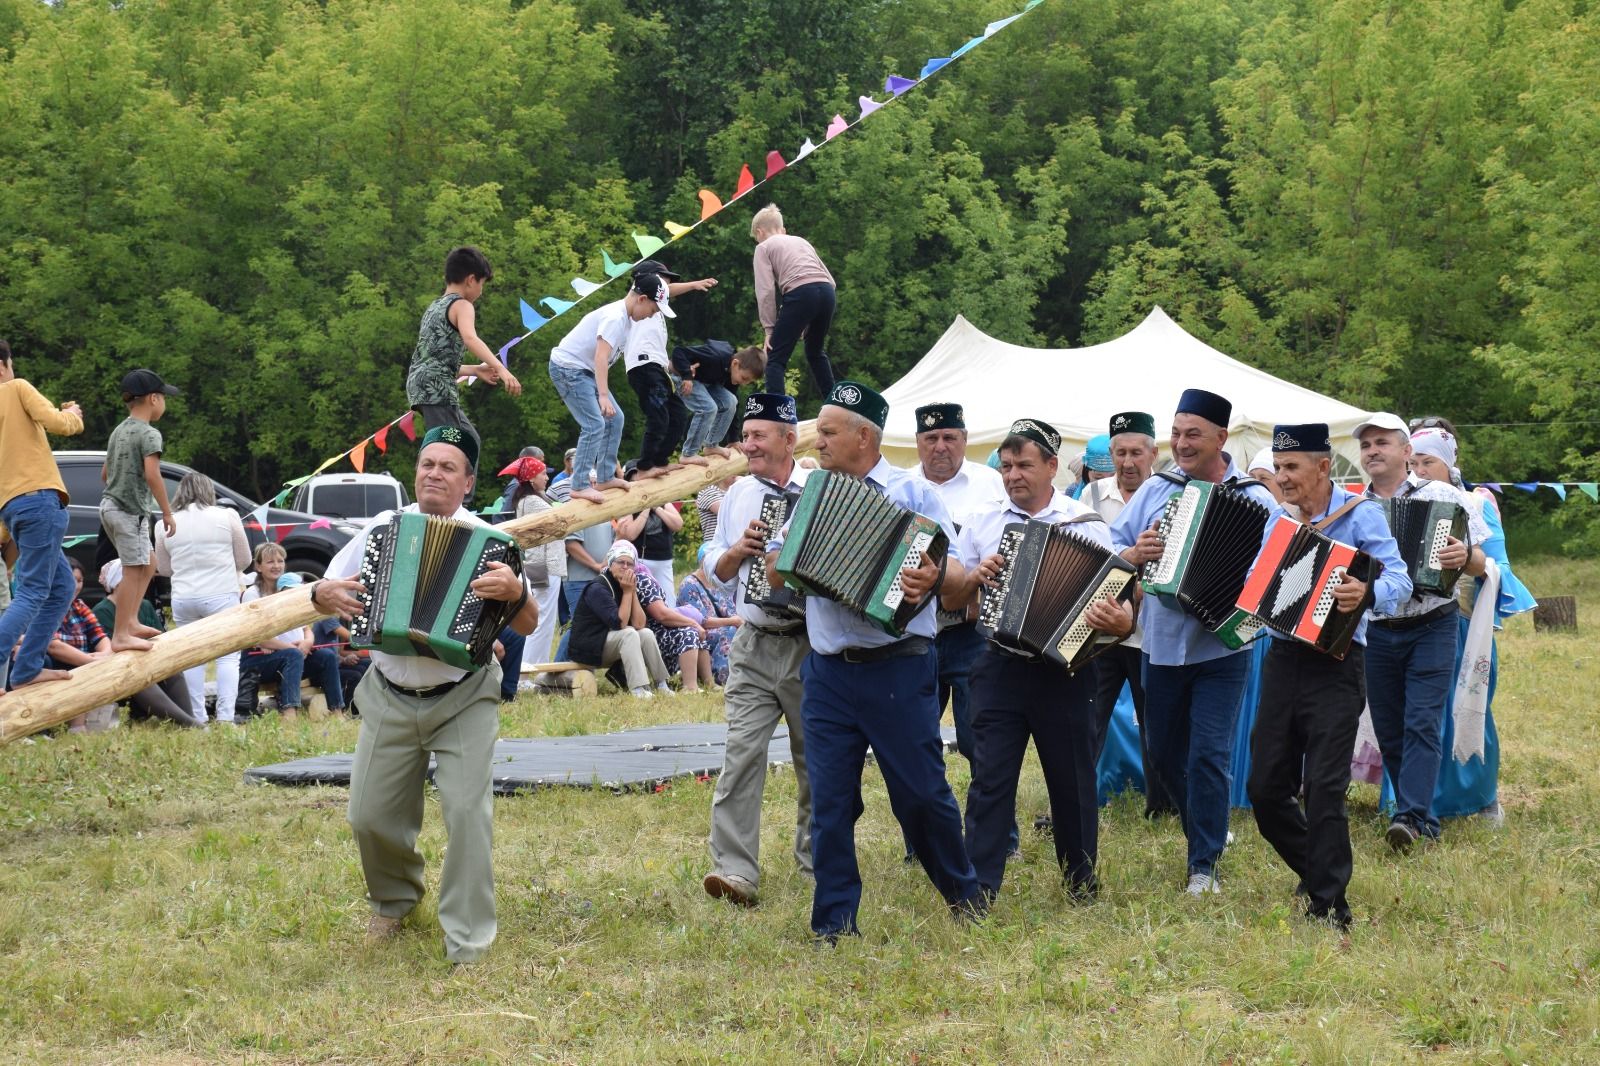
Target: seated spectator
(681, 639)
(82, 639)
(332, 634)
(708, 503)
(289, 656)
(719, 618)
(653, 533)
(609, 626)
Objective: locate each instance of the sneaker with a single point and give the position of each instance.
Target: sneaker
(1203, 884)
(1401, 836)
(731, 887)
(664, 688)
(643, 693)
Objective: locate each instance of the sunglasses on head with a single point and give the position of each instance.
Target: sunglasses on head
(1426, 423)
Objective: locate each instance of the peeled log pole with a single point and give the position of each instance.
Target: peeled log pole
(28, 710)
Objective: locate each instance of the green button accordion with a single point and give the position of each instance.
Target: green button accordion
(1421, 529)
(1211, 534)
(418, 572)
(847, 543)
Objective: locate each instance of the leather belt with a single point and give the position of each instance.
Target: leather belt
(773, 631)
(906, 648)
(429, 693)
(1415, 620)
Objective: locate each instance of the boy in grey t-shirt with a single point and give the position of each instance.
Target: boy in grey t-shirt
(134, 491)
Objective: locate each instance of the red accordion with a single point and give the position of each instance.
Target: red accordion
(1291, 588)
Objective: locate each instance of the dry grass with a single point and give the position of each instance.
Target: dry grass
(159, 910)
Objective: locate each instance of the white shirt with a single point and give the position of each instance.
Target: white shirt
(407, 671)
(974, 488)
(205, 555)
(647, 343)
(609, 322)
(980, 537)
(741, 505)
(1106, 500)
(1416, 488)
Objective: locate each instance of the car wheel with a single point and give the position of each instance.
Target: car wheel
(309, 565)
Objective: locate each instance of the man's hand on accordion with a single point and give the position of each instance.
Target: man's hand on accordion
(1110, 616)
(499, 583)
(919, 581)
(337, 596)
(1348, 594)
(1149, 546)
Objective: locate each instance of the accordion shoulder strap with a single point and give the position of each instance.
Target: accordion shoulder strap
(1091, 517)
(1349, 505)
(1180, 479)
(1244, 482)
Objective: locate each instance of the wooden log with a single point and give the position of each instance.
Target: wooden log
(28, 710)
(1556, 612)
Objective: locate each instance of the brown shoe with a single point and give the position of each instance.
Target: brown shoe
(289, 714)
(382, 927)
(731, 887)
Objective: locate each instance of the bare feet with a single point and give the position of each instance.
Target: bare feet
(651, 474)
(147, 632)
(719, 452)
(130, 644)
(615, 483)
(696, 460)
(592, 495)
(42, 676)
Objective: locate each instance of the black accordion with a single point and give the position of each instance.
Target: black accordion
(1422, 528)
(848, 543)
(1211, 535)
(1292, 587)
(758, 591)
(1052, 576)
(418, 572)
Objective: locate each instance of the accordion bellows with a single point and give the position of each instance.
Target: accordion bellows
(1422, 528)
(1212, 533)
(1051, 577)
(418, 572)
(1291, 589)
(848, 543)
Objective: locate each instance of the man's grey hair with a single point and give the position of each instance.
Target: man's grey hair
(855, 420)
(1149, 441)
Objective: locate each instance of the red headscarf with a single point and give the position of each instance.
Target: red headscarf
(525, 469)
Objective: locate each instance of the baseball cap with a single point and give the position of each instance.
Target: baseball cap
(144, 382)
(653, 266)
(655, 287)
(289, 579)
(1381, 420)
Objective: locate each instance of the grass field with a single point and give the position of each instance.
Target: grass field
(156, 909)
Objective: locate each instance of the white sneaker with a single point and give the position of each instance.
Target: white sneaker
(1203, 884)
(664, 688)
(642, 693)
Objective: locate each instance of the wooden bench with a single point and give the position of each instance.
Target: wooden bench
(573, 679)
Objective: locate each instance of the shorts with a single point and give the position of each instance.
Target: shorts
(129, 533)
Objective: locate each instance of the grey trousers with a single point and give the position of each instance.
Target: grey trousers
(398, 733)
(763, 687)
(640, 656)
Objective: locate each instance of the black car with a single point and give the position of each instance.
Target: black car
(310, 550)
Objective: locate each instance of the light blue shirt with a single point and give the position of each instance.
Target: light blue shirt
(741, 506)
(832, 627)
(1362, 527)
(1172, 637)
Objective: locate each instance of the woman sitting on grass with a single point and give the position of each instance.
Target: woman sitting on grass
(719, 618)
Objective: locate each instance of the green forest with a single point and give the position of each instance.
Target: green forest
(1393, 201)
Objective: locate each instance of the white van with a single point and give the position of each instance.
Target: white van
(354, 498)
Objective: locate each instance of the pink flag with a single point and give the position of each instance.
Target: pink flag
(837, 126)
(321, 523)
(775, 163)
(408, 424)
(381, 439)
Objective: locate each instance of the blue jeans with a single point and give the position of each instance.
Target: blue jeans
(284, 665)
(572, 592)
(44, 583)
(711, 408)
(1189, 718)
(511, 669)
(599, 437)
(808, 309)
(1410, 676)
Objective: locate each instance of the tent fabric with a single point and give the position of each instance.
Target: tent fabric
(1077, 390)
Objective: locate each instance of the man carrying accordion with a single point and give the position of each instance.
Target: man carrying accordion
(1311, 699)
(867, 541)
(414, 703)
(1016, 694)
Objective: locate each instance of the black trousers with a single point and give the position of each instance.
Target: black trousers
(1305, 730)
(1014, 699)
(809, 310)
(1113, 667)
(666, 418)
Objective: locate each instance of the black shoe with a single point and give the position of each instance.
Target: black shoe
(1401, 836)
(1044, 825)
(1083, 893)
(244, 707)
(972, 911)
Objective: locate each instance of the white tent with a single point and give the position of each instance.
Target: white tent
(1077, 390)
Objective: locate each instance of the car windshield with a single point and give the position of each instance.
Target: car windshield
(352, 501)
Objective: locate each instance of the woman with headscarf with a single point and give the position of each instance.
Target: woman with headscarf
(544, 566)
(1469, 774)
(609, 626)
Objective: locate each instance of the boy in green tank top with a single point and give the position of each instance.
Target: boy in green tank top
(449, 328)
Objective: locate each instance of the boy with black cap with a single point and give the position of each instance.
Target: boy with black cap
(1311, 702)
(134, 491)
(1192, 681)
(644, 360)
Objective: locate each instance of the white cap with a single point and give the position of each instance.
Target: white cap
(1262, 461)
(1382, 420)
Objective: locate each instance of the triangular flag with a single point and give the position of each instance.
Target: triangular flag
(613, 269)
(557, 307)
(381, 439)
(775, 163)
(358, 457)
(675, 229)
(932, 65)
(259, 516)
(531, 319)
(1560, 489)
(329, 461)
(1526, 486)
(747, 181)
(805, 150)
(895, 84)
(1590, 489)
(995, 27)
(321, 523)
(408, 424)
(710, 204)
(868, 106)
(1492, 486)
(583, 286)
(969, 46)
(648, 245)
(505, 349)
(837, 126)
(1031, 4)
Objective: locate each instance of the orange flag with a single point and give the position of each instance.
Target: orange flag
(747, 181)
(775, 163)
(358, 457)
(709, 204)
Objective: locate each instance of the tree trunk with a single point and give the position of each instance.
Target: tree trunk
(1556, 612)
